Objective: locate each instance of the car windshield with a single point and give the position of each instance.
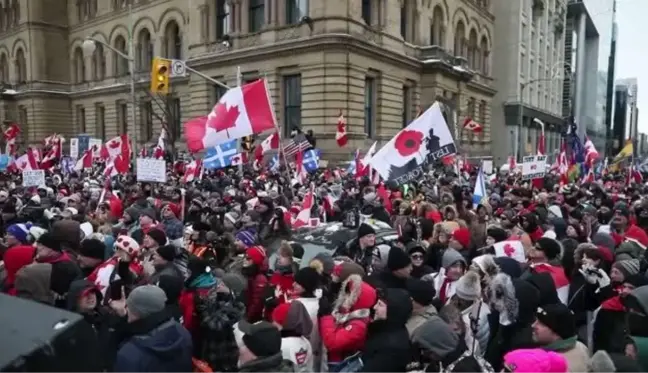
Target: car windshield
(310, 250)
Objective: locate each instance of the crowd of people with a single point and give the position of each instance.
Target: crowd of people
(178, 278)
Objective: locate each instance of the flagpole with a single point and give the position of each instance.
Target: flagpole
(276, 125)
(239, 148)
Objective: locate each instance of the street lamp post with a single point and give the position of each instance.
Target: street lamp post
(554, 76)
(90, 45)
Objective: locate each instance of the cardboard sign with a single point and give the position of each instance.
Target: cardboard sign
(153, 170)
(74, 148)
(487, 166)
(33, 178)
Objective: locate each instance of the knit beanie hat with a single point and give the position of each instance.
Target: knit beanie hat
(422, 292)
(605, 240)
(167, 252)
(93, 248)
(308, 278)
(48, 240)
(397, 259)
(346, 269)
(256, 254)
(451, 257)
(146, 300)
(150, 212)
(550, 247)
(158, 236)
(628, 267)
(497, 233)
(323, 262)
(19, 231)
(127, 244)
(365, 230)
(535, 360)
(246, 237)
(462, 235)
(175, 208)
(468, 286)
(559, 318)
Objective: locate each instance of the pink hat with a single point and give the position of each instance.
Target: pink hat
(535, 360)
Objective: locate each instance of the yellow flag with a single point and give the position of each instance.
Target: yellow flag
(626, 152)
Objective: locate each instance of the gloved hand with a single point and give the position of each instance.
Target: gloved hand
(590, 273)
(603, 279)
(325, 307)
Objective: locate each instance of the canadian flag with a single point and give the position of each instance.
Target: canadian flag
(85, 161)
(303, 217)
(470, 124)
(558, 275)
(28, 161)
(271, 142)
(239, 159)
(591, 154)
(54, 153)
(341, 133)
(242, 111)
(142, 152)
(158, 152)
(10, 135)
(192, 171)
(116, 146)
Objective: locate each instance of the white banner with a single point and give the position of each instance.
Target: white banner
(74, 148)
(33, 178)
(153, 170)
(487, 166)
(97, 143)
(534, 167)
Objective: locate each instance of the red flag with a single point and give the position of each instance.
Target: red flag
(470, 124)
(271, 142)
(341, 133)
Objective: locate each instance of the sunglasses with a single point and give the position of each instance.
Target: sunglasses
(417, 256)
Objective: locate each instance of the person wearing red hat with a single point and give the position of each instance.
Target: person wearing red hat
(173, 227)
(460, 241)
(254, 268)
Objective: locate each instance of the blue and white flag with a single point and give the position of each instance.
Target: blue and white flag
(480, 188)
(273, 165)
(311, 160)
(221, 155)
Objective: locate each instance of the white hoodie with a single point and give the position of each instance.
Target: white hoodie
(299, 351)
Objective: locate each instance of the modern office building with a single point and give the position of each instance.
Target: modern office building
(597, 132)
(375, 60)
(632, 129)
(580, 91)
(529, 65)
(622, 114)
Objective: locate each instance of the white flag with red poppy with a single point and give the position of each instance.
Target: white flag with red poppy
(341, 133)
(470, 125)
(425, 140)
(242, 111)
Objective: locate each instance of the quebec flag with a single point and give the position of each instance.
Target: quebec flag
(311, 160)
(273, 165)
(479, 194)
(220, 156)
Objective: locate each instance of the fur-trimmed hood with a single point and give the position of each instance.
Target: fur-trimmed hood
(515, 298)
(355, 295)
(486, 266)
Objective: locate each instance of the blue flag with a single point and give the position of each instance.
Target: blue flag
(311, 160)
(479, 194)
(273, 165)
(220, 156)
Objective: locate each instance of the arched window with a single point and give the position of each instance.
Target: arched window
(437, 28)
(79, 66)
(120, 63)
(144, 50)
(485, 53)
(473, 50)
(173, 42)
(8, 14)
(459, 39)
(16, 12)
(2, 17)
(4, 69)
(21, 66)
(99, 63)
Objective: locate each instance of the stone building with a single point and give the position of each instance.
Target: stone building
(378, 61)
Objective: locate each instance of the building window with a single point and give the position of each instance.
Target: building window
(100, 121)
(78, 66)
(404, 20)
(407, 105)
(256, 13)
(217, 92)
(173, 47)
(122, 117)
(482, 112)
(82, 10)
(144, 50)
(146, 120)
(459, 40)
(81, 119)
(23, 121)
(485, 56)
(176, 117)
(99, 63)
(296, 10)
(473, 50)
(437, 27)
(120, 63)
(16, 12)
(21, 66)
(292, 103)
(223, 18)
(366, 11)
(4, 69)
(369, 106)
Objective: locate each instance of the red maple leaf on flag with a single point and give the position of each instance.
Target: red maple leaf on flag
(23, 165)
(114, 144)
(225, 118)
(509, 250)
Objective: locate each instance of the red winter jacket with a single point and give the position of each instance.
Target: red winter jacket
(254, 297)
(283, 282)
(16, 258)
(344, 332)
(187, 304)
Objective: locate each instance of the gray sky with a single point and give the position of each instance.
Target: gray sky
(632, 51)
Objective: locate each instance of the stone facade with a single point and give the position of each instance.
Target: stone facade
(354, 56)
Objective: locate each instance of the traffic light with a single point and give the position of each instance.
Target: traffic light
(160, 76)
(246, 143)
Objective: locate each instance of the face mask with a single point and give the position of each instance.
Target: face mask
(249, 271)
(284, 269)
